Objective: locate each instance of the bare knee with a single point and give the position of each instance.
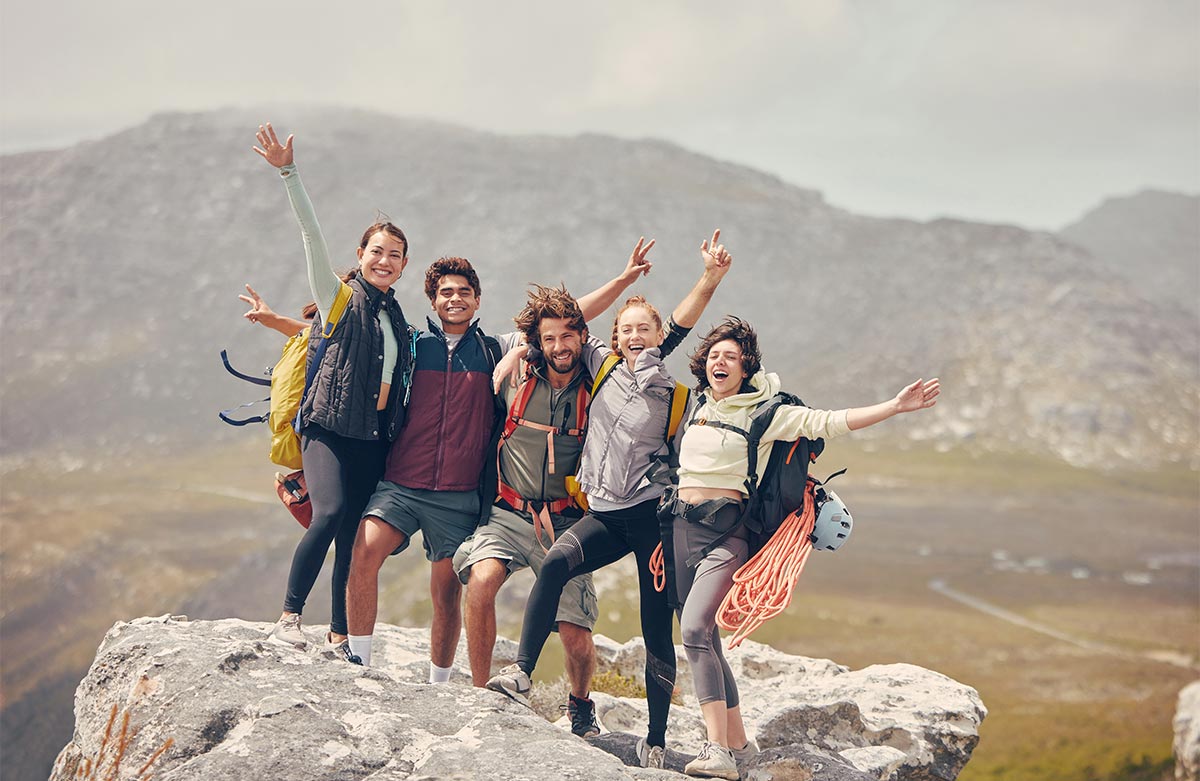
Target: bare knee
(485, 579)
(444, 587)
(374, 543)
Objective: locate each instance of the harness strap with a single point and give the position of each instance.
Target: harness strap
(540, 511)
(695, 513)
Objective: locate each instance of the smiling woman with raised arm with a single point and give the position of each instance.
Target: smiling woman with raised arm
(354, 405)
(713, 466)
(623, 471)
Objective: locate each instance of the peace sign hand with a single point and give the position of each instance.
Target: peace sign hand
(638, 265)
(716, 259)
(272, 151)
(258, 308)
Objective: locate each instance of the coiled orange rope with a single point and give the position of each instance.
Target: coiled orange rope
(762, 587)
(658, 569)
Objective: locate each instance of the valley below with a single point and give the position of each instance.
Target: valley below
(1067, 597)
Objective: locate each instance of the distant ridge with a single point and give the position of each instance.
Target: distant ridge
(1152, 239)
(124, 256)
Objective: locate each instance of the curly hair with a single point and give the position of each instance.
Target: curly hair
(630, 303)
(737, 330)
(443, 267)
(548, 302)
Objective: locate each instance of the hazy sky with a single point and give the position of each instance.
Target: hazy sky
(1025, 111)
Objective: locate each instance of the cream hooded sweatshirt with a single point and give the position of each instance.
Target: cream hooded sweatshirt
(711, 457)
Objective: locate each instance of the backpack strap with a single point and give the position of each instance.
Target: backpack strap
(679, 402)
(760, 421)
(248, 378)
(491, 348)
(341, 302)
(540, 510)
(610, 362)
(225, 414)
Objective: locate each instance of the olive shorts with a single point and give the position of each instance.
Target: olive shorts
(509, 537)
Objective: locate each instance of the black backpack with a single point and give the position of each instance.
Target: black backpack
(780, 490)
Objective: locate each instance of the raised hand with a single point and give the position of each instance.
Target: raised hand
(919, 395)
(271, 150)
(716, 259)
(258, 308)
(637, 261)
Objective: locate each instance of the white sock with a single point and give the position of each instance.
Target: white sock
(360, 646)
(439, 674)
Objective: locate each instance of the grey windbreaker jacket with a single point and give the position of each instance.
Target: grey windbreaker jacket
(627, 426)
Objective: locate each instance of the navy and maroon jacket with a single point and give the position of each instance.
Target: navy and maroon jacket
(451, 415)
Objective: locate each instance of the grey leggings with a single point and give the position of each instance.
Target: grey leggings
(701, 590)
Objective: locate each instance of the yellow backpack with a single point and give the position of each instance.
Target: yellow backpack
(288, 381)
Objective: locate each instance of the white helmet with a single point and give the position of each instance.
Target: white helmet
(833, 524)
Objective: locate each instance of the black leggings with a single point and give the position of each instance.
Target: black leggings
(341, 474)
(594, 541)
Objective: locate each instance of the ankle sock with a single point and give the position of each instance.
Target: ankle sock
(439, 674)
(360, 646)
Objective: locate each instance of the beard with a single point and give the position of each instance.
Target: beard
(564, 364)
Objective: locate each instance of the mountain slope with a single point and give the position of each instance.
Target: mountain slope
(1152, 239)
(125, 256)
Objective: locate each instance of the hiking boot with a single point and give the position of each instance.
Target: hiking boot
(287, 631)
(512, 681)
(651, 756)
(583, 716)
(745, 753)
(713, 761)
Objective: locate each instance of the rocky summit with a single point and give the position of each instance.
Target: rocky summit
(236, 706)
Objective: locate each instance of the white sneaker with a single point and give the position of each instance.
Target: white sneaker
(287, 631)
(650, 756)
(713, 761)
(512, 681)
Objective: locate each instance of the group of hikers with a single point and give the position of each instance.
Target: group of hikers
(545, 448)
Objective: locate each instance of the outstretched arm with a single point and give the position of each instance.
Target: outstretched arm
(716, 266)
(323, 280)
(263, 315)
(594, 303)
(920, 395)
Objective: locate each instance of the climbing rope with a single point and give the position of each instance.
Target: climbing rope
(762, 587)
(658, 569)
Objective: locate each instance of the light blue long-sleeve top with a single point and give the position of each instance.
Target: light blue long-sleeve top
(322, 279)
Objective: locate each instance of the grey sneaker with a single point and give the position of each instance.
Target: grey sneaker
(713, 761)
(512, 681)
(650, 756)
(745, 753)
(287, 631)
